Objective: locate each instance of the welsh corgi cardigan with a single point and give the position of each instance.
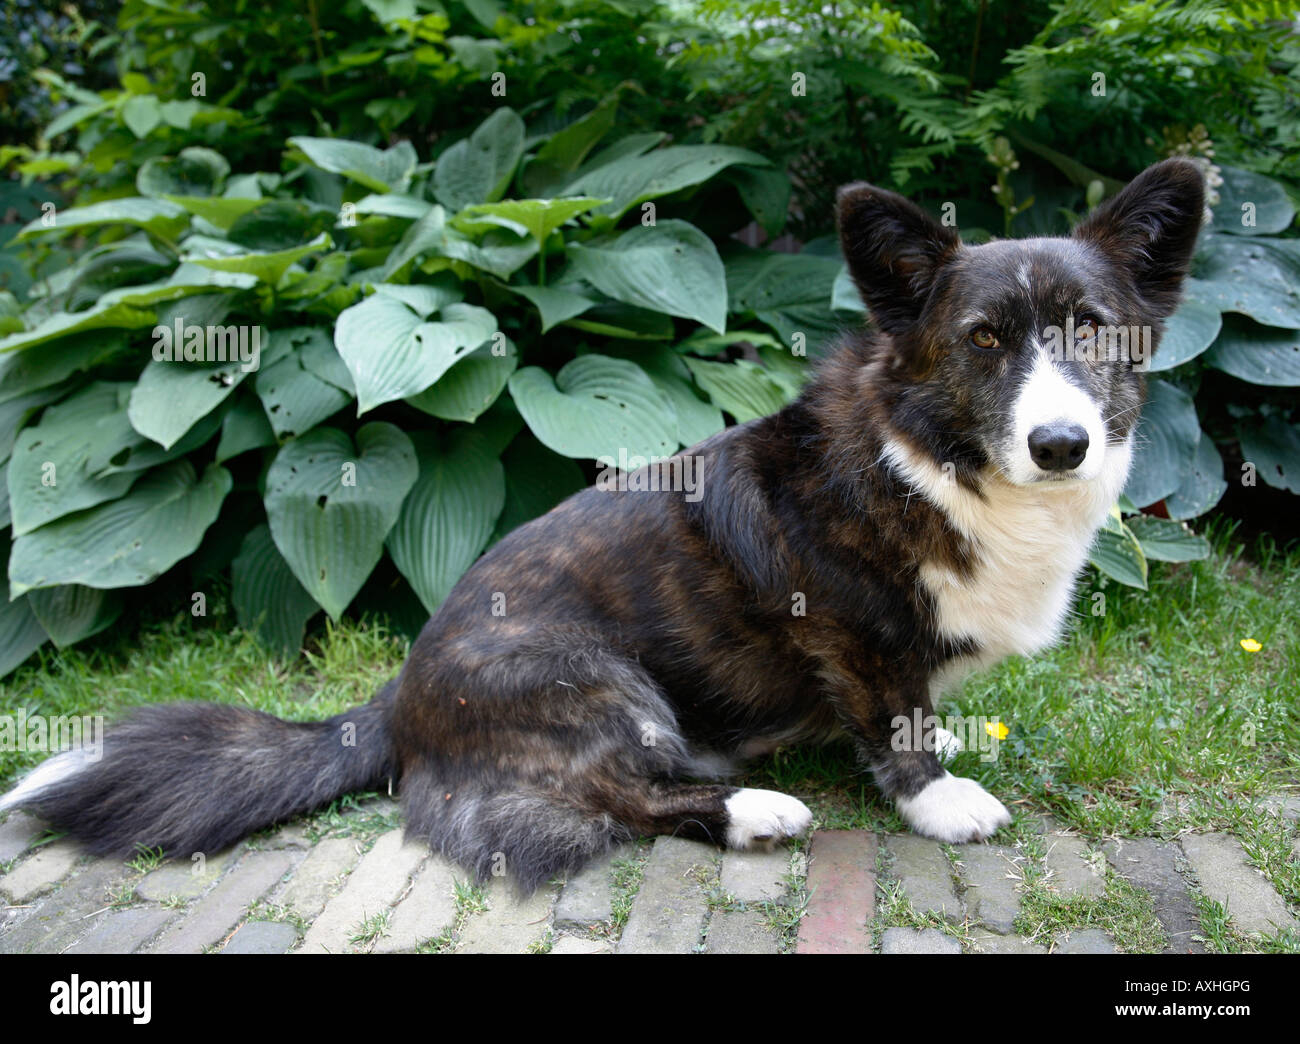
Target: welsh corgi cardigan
(931, 495)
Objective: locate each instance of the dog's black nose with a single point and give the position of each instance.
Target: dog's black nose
(1058, 447)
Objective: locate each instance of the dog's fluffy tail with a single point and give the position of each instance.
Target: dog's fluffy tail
(196, 777)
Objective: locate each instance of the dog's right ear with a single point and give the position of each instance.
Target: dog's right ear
(893, 250)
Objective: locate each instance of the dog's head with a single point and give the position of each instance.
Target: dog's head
(1023, 358)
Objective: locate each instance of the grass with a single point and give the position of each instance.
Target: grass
(1148, 720)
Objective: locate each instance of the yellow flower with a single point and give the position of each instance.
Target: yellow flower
(996, 729)
(1250, 645)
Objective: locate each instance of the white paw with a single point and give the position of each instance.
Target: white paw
(759, 817)
(946, 745)
(955, 810)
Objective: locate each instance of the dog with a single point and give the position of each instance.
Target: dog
(928, 500)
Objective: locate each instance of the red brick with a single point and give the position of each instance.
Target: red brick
(842, 893)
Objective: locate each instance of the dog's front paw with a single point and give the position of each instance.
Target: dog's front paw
(758, 818)
(955, 810)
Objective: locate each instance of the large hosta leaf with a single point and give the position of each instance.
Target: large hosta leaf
(478, 169)
(393, 352)
(56, 465)
(669, 267)
(1188, 332)
(1166, 440)
(596, 406)
(268, 599)
(633, 179)
(1273, 446)
(1117, 553)
(195, 171)
(1165, 541)
(1257, 277)
(267, 266)
(697, 418)
(1203, 485)
(156, 216)
(306, 383)
(386, 170)
(539, 217)
(171, 397)
(21, 634)
(449, 514)
(536, 480)
(1259, 354)
(330, 505)
(1272, 211)
(472, 385)
(744, 390)
(127, 542)
(72, 612)
(64, 324)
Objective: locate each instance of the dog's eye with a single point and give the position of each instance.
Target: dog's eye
(983, 338)
(1085, 328)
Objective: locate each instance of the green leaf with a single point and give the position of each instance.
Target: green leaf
(844, 294)
(1163, 540)
(565, 150)
(744, 390)
(72, 613)
(540, 217)
(1120, 556)
(669, 267)
(171, 397)
(594, 406)
(244, 428)
(697, 418)
(471, 386)
(1188, 332)
(1202, 487)
(127, 542)
(448, 516)
(1243, 192)
(114, 315)
(194, 172)
(21, 634)
(1273, 446)
(222, 212)
(393, 353)
(330, 505)
(555, 304)
(536, 480)
(387, 170)
(55, 464)
(156, 216)
(633, 179)
(1257, 277)
(766, 192)
(267, 597)
(1166, 439)
(1267, 355)
(269, 267)
(296, 390)
(142, 113)
(478, 169)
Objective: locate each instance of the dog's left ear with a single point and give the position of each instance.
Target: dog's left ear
(1149, 229)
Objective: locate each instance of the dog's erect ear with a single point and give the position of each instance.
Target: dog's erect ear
(893, 249)
(1149, 229)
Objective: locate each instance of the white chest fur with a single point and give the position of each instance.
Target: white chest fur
(1029, 544)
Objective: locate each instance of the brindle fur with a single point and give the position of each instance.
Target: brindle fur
(647, 640)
